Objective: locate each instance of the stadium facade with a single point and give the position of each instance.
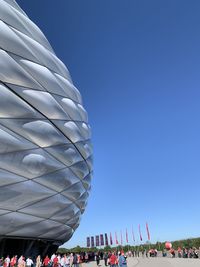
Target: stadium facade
(45, 148)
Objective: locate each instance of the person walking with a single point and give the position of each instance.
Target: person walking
(6, 261)
(1, 262)
(75, 260)
(179, 252)
(97, 257)
(79, 260)
(38, 261)
(122, 261)
(86, 257)
(55, 261)
(65, 261)
(29, 262)
(21, 262)
(46, 261)
(13, 261)
(105, 257)
(71, 259)
(113, 260)
(59, 260)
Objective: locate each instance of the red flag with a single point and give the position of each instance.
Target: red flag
(121, 238)
(111, 241)
(126, 236)
(116, 240)
(133, 235)
(148, 233)
(140, 233)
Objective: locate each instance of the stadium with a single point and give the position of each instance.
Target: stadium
(45, 148)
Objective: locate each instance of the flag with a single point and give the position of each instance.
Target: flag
(97, 240)
(111, 241)
(140, 233)
(148, 233)
(116, 240)
(121, 238)
(133, 234)
(101, 240)
(126, 236)
(92, 241)
(88, 242)
(106, 239)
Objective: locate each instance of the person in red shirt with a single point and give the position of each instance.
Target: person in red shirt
(172, 251)
(55, 261)
(179, 252)
(46, 261)
(13, 261)
(113, 260)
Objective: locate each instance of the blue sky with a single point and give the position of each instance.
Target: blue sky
(136, 64)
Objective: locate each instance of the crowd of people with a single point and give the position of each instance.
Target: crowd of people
(112, 259)
(56, 260)
(151, 252)
(186, 253)
(67, 260)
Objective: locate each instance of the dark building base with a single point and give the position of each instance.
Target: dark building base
(26, 247)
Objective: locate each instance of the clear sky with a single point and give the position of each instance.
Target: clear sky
(137, 66)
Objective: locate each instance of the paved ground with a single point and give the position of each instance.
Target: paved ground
(163, 262)
(156, 262)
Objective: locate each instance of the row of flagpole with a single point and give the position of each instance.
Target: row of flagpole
(99, 239)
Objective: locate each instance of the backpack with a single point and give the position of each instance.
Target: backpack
(124, 260)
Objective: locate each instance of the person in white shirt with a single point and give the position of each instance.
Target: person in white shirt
(7, 261)
(29, 262)
(65, 261)
(53, 257)
(59, 259)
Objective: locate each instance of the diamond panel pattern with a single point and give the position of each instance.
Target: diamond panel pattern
(45, 148)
